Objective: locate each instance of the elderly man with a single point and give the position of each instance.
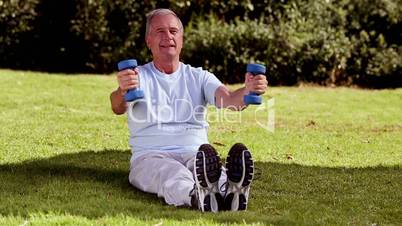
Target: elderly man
(168, 131)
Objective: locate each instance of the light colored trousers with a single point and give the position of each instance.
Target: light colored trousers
(167, 174)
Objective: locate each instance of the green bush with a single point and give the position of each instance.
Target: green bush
(225, 48)
(319, 41)
(375, 29)
(16, 19)
(298, 48)
(110, 29)
(40, 36)
(375, 65)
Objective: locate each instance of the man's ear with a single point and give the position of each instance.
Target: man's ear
(147, 42)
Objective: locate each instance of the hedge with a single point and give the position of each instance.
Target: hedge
(324, 41)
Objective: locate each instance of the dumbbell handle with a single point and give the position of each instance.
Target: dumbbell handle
(132, 94)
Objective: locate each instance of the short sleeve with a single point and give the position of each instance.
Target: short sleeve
(211, 83)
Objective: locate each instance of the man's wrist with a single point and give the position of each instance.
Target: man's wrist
(246, 91)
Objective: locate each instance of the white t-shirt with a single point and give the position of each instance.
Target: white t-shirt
(172, 115)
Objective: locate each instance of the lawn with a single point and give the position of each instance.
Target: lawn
(334, 158)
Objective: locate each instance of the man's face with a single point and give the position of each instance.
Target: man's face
(165, 38)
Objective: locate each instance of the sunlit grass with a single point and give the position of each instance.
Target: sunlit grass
(334, 156)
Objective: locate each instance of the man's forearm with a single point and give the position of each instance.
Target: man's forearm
(231, 99)
(119, 105)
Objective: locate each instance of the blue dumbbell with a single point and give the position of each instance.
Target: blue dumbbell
(254, 98)
(132, 94)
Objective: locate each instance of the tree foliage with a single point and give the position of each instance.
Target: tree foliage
(321, 41)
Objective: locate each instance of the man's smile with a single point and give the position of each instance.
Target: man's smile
(167, 45)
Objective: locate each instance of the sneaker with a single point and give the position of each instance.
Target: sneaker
(240, 171)
(207, 171)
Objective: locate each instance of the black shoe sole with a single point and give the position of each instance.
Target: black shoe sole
(240, 171)
(207, 171)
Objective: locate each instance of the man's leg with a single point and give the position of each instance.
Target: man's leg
(240, 171)
(160, 173)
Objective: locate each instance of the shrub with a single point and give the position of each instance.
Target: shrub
(375, 65)
(295, 49)
(224, 48)
(112, 31)
(375, 28)
(16, 18)
(320, 41)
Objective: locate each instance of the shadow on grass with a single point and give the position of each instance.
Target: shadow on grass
(94, 184)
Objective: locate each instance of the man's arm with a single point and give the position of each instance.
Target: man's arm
(233, 100)
(127, 79)
(119, 105)
(224, 98)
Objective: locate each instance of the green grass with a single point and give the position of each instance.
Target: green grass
(334, 158)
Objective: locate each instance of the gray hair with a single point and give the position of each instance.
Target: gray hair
(160, 12)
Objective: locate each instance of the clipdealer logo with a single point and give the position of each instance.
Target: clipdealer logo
(266, 109)
(183, 111)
